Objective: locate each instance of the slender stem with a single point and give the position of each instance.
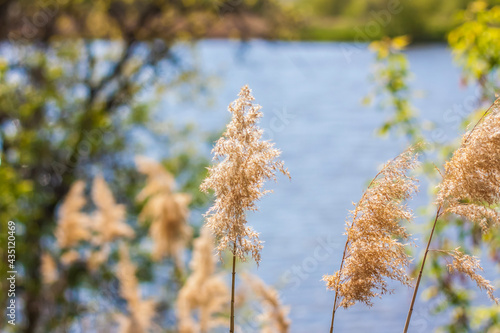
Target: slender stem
(337, 289)
(333, 314)
(408, 318)
(480, 119)
(231, 327)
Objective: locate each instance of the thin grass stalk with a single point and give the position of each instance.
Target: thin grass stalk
(415, 291)
(480, 119)
(336, 291)
(231, 326)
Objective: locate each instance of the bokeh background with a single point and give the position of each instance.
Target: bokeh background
(87, 86)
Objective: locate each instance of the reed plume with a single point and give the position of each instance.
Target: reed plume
(470, 189)
(275, 317)
(69, 257)
(98, 257)
(469, 266)
(141, 311)
(245, 162)
(204, 290)
(105, 225)
(109, 219)
(73, 225)
(472, 176)
(167, 210)
(375, 250)
(48, 269)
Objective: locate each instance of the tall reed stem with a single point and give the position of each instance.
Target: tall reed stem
(231, 327)
(408, 318)
(337, 289)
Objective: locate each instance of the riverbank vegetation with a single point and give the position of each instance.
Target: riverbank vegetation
(367, 20)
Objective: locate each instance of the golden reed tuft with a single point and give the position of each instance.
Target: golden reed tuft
(141, 312)
(109, 218)
(274, 319)
(470, 187)
(70, 257)
(72, 224)
(204, 290)
(167, 210)
(374, 249)
(108, 223)
(245, 162)
(48, 269)
(472, 176)
(469, 266)
(105, 225)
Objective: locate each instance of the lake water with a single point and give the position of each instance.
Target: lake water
(311, 96)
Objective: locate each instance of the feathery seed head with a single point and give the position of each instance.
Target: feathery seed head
(141, 311)
(470, 187)
(73, 225)
(69, 257)
(275, 318)
(167, 210)
(470, 266)
(375, 250)
(203, 290)
(109, 219)
(48, 269)
(245, 162)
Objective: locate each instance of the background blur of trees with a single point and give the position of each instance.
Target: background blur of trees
(77, 80)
